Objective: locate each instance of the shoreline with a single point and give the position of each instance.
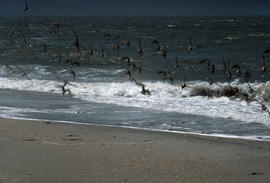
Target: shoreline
(255, 138)
(33, 151)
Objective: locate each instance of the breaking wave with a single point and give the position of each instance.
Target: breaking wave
(221, 100)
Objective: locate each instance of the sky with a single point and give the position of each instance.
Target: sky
(135, 7)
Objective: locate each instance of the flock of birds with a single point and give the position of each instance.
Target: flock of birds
(130, 66)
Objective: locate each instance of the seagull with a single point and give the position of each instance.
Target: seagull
(56, 25)
(64, 90)
(118, 37)
(177, 67)
(144, 91)
(163, 53)
(184, 85)
(117, 47)
(266, 51)
(52, 30)
(102, 52)
(209, 65)
(91, 52)
(246, 75)
(70, 71)
(23, 74)
(127, 72)
(263, 60)
(224, 64)
(238, 71)
(191, 46)
(8, 67)
(106, 33)
(140, 51)
(11, 33)
(58, 56)
(26, 43)
(72, 63)
(195, 69)
(21, 35)
(44, 46)
(166, 74)
(229, 72)
(26, 6)
(126, 59)
(158, 45)
(263, 63)
(125, 42)
(76, 42)
(65, 82)
(134, 67)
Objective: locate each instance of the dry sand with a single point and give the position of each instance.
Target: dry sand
(37, 152)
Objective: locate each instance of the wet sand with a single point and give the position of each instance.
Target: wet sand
(37, 152)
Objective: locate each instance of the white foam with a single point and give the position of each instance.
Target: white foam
(232, 38)
(258, 35)
(164, 97)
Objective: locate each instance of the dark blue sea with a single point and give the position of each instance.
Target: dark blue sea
(202, 75)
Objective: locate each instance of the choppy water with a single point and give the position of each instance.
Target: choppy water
(102, 93)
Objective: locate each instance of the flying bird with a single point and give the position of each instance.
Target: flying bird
(263, 64)
(102, 52)
(91, 52)
(140, 51)
(65, 83)
(263, 60)
(125, 42)
(224, 65)
(158, 45)
(44, 46)
(76, 42)
(72, 63)
(166, 74)
(128, 73)
(26, 6)
(70, 71)
(118, 37)
(7, 67)
(266, 51)
(52, 30)
(117, 47)
(209, 65)
(56, 26)
(184, 85)
(144, 91)
(64, 90)
(238, 71)
(162, 52)
(191, 46)
(23, 74)
(107, 34)
(177, 67)
(229, 72)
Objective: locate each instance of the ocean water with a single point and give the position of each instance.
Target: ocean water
(102, 93)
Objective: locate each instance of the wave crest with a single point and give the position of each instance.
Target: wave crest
(220, 100)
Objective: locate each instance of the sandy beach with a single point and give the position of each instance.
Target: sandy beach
(37, 151)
